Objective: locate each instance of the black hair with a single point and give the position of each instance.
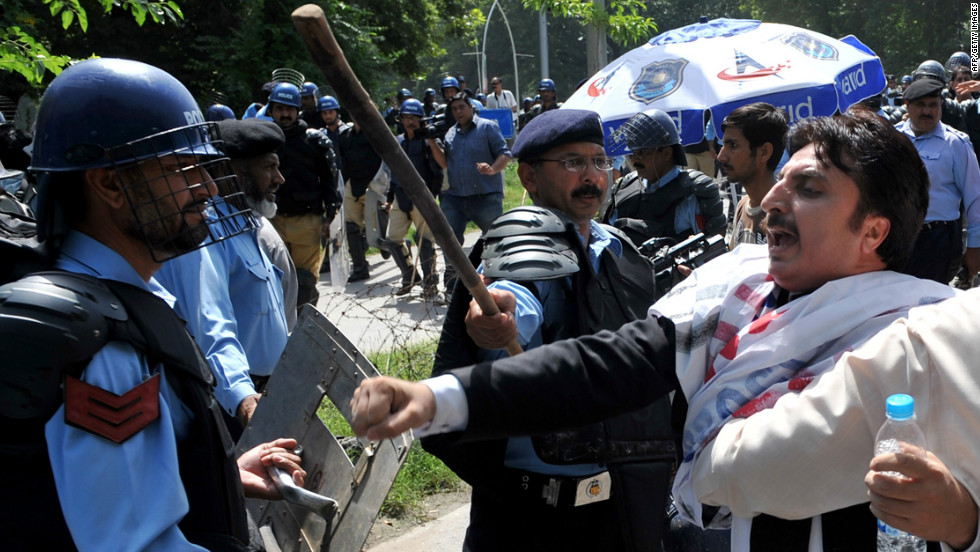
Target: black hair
(761, 123)
(883, 162)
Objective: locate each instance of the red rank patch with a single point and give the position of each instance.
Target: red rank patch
(108, 415)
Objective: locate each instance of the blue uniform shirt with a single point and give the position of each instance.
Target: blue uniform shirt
(530, 314)
(953, 176)
(128, 496)
(230, 294)
(482, 142)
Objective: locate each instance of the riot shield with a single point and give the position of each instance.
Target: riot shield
(375, 217)
(318, 361)
(337, 254)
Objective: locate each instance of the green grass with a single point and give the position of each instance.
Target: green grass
(422, 474)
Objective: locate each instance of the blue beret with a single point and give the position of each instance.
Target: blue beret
(555, 127)
(249, 137)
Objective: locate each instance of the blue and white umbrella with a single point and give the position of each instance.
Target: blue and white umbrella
(722, 64)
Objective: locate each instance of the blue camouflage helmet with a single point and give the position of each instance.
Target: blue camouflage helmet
(547, 84)
(309, 89)
(326, 103)
(652, 128)
(931, 69)
(286, 94)
(219, 112)
(958, 59)
(412, 106)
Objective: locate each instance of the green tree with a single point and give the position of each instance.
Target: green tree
(24, 52)
(623, 20)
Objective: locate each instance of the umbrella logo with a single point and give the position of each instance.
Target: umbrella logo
(659, 79)
(810, 46)
(598, 86)
(744, 62)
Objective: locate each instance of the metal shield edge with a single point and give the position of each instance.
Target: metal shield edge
(320, 361)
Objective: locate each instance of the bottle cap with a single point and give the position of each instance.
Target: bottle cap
(900, 407)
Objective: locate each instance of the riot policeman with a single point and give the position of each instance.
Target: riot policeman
(108, 418)
(600, 487)
(308, 199)
(660, 199)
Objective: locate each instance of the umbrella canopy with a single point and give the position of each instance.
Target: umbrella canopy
(722, 64)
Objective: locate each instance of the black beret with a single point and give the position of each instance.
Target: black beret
(249, 137)
(555, 127)
(923, 88)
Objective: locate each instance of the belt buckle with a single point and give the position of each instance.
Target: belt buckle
(549, 492)
(593, 489)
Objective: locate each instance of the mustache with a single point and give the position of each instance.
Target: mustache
(781, 221)
(588, 189)
(196, 206)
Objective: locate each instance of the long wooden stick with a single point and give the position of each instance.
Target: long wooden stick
(313, 28)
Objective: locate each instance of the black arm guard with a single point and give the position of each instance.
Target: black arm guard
(51, 323)
(709, 201)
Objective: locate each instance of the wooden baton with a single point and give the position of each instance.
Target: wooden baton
(327, 55)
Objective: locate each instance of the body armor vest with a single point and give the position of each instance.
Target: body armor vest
(418, 153)
(216, 516)
(651, 215)
(306, 172)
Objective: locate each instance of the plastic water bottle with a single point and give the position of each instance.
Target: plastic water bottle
(900, 427)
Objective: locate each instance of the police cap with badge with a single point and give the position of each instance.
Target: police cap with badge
(532, 243)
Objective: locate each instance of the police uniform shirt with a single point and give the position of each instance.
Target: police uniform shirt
(231, 296)
(529, 313)
(953, 176)
(126, 496)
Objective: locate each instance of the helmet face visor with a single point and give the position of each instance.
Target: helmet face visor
(183, 195)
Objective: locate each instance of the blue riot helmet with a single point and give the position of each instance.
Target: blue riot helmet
(547, 84)
(931, 69)
(651, 129)
(906, 80)
(412, 106)
(219, 112)
(429, 92)
(286, 94)
(404, 93)
(481, 97)
(449, 82)
(326, 103)
(527, 101)
(138, 121)
(307, 97)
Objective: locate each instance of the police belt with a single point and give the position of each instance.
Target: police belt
(562, 491)
(938, 224)
(298, 213)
